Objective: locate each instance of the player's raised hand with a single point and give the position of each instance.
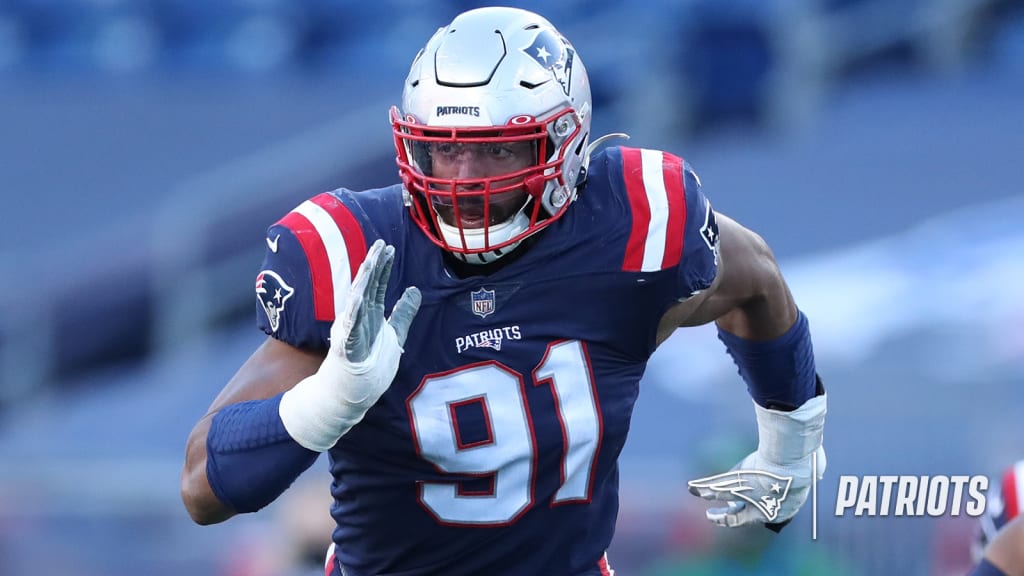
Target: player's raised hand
(363, 316)
(362, 361)
(771, 484)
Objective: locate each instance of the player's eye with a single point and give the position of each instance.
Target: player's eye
(500, 151)
(448, 149)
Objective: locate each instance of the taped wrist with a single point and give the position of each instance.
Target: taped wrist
(250, 457)
(779, 373)
(320, 409)
(787, 438)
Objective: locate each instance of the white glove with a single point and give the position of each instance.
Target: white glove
(770, 484)
(362, 360)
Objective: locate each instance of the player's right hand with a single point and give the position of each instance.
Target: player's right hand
(362, 361)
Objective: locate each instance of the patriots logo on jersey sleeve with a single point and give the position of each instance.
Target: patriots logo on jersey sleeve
(272, 292)
(709, 231)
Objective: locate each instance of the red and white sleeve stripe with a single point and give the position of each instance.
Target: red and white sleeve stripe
(334, 245)
(1013, 489)
(657, 198)
(329, 562)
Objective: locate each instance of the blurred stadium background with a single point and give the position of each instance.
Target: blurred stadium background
(146, 144)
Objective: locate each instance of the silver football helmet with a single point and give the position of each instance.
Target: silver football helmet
(492, 133)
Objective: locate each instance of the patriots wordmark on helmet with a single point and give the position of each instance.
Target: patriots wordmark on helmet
(464, 110)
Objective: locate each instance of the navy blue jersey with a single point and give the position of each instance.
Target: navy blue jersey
(494, 450)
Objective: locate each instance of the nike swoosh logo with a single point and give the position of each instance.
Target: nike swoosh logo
(272, 244)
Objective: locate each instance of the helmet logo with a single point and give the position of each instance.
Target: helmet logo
(552, 53)
(524, 119)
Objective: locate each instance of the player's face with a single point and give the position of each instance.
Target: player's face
(483, 163)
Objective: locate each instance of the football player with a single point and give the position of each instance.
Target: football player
(529, 277)
(999, 546)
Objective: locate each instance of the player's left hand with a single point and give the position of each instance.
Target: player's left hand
(361, 362)
(771, 484)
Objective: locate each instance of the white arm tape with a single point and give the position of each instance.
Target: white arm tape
(785, 438)
(321, 408)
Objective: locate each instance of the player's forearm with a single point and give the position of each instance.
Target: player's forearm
(239, 457)
(242, 462)
(767, 336)
(199, 499)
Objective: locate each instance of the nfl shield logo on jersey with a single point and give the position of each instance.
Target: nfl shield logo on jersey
(483, 302)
